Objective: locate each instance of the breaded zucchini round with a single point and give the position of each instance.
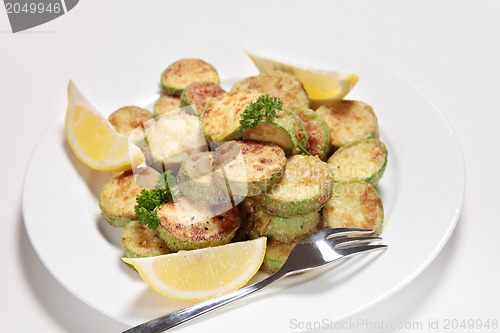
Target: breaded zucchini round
(243, 84)
(146, 177)
(197, 94)
(300, 129)
(220, 119)
(305, 187)
(285, 130)
(139, 241)
(176, 77)
(362, 160)
(349, 121)
(171, 139)
(117, 198)
(197, 180)
(166, 104)
(276, 252)
(282, 85)
(188, 224)
(285, 229)
(276, 255)
(354, 204)
(128, 118)
(318, 134)
(250, 167)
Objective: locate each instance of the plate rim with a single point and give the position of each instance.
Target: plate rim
(436, 251)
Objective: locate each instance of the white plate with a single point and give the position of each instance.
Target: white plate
(422, 191)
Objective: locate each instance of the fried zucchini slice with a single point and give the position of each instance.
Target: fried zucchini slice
(220, 118)
(188, 224)
(300, 130)
(276, 252)
(354, 204)
(276, 255)
(250, 167)
(305, 187)
(139, 241)
(285, 229)
(176, 77)
(285, 130)
(349, 121)
(146, 177)
(117, 197)
(197, 94)
(282, 85)
(128, 118)
(197, 180)
(318, 134)
(274, 130)
(166, 104)
(363, 160)
(171, 139)
(243, 84)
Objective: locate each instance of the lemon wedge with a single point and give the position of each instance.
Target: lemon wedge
(94, 140)
(321, 86)
(201, 274)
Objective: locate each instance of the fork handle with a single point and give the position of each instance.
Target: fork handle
(169, 321)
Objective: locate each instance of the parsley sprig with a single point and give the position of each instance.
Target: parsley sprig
(149, 200)
(264, 106)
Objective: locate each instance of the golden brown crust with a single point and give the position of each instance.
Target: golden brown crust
(128, 118)
(318, 134)
(242, 84)
(354, 204)
(195, 221)
(183, 72)
(117, 197)
(261, 160)
(198, 94)
(362, 160)
(349, 121)
(138, 240)
(220, 118)
(166, 104)
(282, 85)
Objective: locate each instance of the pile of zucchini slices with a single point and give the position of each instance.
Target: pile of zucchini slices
(289, 174)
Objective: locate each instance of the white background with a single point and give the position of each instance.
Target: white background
(448, 49)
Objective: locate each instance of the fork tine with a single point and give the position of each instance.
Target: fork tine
(338, 232)
(359, 249)
(351, 241)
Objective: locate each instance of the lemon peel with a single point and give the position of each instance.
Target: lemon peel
(94, 140)
(321, 86)
(201, 274)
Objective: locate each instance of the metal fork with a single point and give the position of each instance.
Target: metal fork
(316, 250)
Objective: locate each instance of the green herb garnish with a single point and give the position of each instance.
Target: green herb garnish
(264, 106)
(149, 200)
